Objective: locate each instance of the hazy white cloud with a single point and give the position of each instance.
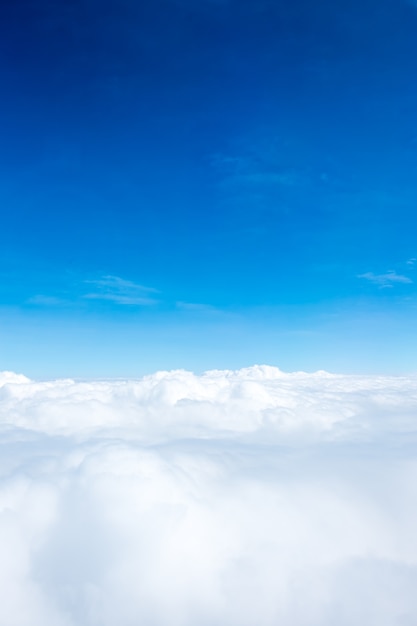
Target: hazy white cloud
(108, 287)
(120, 291)
(385, 280)
(234, 497)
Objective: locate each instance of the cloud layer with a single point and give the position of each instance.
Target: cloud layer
(234, 498)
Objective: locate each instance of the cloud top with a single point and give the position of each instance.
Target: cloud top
(231, 497)
(255, 404)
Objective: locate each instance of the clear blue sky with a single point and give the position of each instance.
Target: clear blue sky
(208, 184)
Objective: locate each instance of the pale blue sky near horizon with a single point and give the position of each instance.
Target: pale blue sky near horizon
(208, 185)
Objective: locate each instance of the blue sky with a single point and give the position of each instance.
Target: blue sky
(208, 184)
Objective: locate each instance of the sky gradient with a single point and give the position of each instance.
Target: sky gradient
(208, 184)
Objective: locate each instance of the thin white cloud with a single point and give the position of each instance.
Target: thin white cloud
(116, 283)
(119, 298)
(386, 280)
(120, 291)
(111, 288)
(234, 497)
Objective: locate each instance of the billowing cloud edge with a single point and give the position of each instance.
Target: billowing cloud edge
(179, 499)
(257, 403)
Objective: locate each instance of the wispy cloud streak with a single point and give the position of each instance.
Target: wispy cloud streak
(120, 291)
(386, 280)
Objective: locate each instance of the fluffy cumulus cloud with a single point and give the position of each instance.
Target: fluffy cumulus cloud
(233, 498)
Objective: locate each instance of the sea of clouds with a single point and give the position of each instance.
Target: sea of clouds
(231, 498)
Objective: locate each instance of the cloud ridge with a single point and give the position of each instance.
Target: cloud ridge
(238, 497)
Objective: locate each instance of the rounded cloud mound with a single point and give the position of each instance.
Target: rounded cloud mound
(256, 403)
(10, 378)
(234, 497)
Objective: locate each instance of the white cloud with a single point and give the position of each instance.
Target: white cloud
(386, 280)
(120, 291)
(111, 288)
(235, 497)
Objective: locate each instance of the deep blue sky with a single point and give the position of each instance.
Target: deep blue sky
(208, 183)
